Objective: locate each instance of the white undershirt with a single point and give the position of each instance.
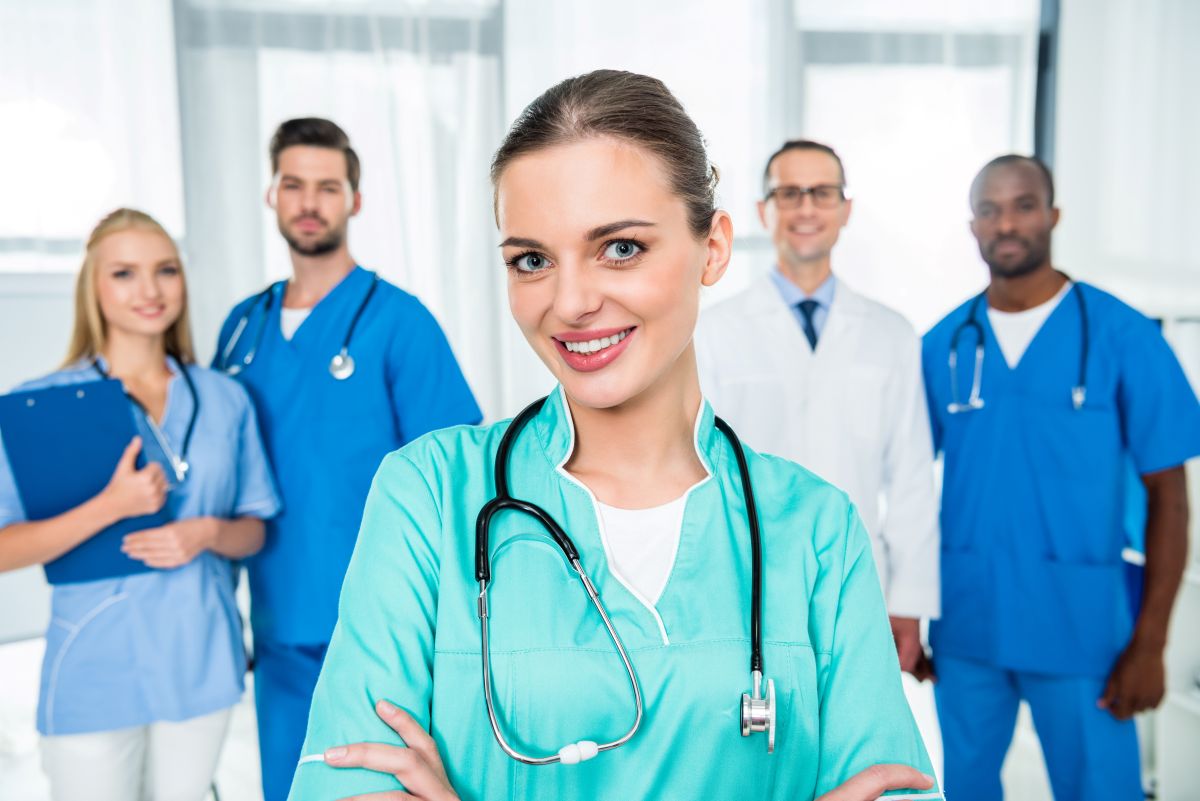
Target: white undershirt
(1015, 330)
(290, 320)
(642, 544)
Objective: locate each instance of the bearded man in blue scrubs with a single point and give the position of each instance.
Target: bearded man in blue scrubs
(1037, 428)
(343, 368)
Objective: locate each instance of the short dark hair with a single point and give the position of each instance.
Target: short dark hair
(315, 132)
(801, 144)
(1016, 158)
(626, 106)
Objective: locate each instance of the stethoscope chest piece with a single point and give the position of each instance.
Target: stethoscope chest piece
(341, 366)
(758, 712)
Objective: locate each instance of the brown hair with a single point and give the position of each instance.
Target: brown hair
(315, 132)
(627, 106)
(91, 330)
(802, 144)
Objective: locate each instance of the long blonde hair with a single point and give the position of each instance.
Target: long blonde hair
(91, 330)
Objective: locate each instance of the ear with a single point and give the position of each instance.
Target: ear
(1054, 215)
(356, 204)
(269, 196)
(762, 214)
(720, 248)
(847, 207)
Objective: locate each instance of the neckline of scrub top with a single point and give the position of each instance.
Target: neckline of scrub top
(319, 312)
(555, 428)
(1058, 300)
(168, 405)
(1035, 350)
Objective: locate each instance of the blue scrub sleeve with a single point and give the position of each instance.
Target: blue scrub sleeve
(11, 509)
(256, 492)
(1160, 416)
(382, 646)
(865, 719)
(428, 388)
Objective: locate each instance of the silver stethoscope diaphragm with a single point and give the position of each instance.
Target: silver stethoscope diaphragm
(341, 366)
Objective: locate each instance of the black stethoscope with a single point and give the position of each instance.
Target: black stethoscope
(758, 713)
(179, 462)
(974, 401)
(341, 366)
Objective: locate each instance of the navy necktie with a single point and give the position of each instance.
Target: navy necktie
(808, 308)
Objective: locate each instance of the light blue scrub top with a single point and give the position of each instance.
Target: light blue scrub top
(326, 437)
(1033, 516)
(164, 645)
(408, 632)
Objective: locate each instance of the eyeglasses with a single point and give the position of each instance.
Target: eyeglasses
(824, 196)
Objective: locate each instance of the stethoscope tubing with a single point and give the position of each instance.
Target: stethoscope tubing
(263, 302)
(503, 501)
(179, 461)
(972, 322)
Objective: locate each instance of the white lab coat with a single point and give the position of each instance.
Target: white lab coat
(853, 412)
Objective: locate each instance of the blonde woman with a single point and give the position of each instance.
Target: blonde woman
(140, 672)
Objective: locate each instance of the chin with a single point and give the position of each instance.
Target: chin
(596, 391)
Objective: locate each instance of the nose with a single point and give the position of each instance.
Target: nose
(148, 287)
(576, 293)
(1005, 222)
(308, 199)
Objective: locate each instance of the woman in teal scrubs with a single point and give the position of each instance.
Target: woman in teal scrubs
(141, 671)
(604, 200)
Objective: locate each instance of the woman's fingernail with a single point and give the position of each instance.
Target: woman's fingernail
(927, 778)
(385, 708)
(335, 754)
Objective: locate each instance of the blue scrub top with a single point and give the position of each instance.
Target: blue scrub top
(326, 437)
(1033, 498)
(164, 645)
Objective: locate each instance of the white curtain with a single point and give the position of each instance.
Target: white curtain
(1128, 165)
(416, 87)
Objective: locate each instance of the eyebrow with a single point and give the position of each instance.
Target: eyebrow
(598, 232)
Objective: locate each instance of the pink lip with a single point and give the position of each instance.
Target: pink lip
(308, 225)
(590, 362)
(151, 312)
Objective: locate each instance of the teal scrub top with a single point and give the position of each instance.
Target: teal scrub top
(326, 437)
(165, 645)
(408, 632)
(1034, 491)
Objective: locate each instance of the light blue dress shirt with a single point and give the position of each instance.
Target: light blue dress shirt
(164, 645)
(792, 295)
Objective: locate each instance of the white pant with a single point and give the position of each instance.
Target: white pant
(160, 762)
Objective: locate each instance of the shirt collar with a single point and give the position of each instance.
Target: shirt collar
(793, 294)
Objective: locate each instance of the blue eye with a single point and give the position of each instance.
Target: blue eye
(622, 250)
(529, 262)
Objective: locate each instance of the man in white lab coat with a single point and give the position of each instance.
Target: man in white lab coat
(804, 367)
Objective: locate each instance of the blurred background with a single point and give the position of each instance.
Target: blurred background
(168, 106)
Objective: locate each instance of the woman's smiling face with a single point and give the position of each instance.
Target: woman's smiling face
(604, 273)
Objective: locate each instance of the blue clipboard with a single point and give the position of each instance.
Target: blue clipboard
(63, 444)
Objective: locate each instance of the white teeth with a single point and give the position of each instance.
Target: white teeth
(593, 345)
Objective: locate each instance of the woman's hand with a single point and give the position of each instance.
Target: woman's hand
(172, 545)
(418, 767)
(877, 780)
(132, 492)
